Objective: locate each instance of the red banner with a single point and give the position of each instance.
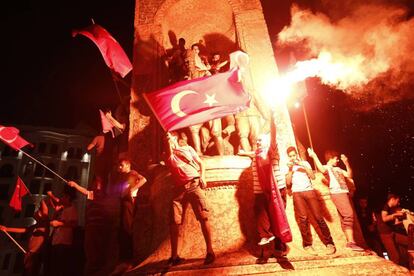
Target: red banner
(19, 192)
(113, 54)
(278, 219)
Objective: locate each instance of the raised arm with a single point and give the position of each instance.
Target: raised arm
(169, 144)
(318, 163)
(289, 174)
(12, 229)
(81, 189)
(142, 180)
(347, 165)
(274, 152)
(114, 121)
(92, 144)
(308, 169)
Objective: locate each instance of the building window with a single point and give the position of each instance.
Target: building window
(72, 173)
(28, 168)
(42, 147)
(39, 170)
(79, 153)
(71, 153)
(1, 214)
(18, 264)
(4, 191)
(53, 149)
(48, 173)
(6, 262)
(7, 170)
(47, 187)
(29, 210)
(35, 186)
(9, 152)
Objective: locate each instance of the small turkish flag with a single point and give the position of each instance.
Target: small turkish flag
(107, 126)
(10, 136)
(19, 192)
(196, 101)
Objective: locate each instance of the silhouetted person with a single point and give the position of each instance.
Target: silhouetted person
(368, 222)
(37, 242)
(103, 143)
(391, 231)
(62, 254)
(128, 209)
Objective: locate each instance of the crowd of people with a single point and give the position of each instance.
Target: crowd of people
(386, 230)
(52, 238)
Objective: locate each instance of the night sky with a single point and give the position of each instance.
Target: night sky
(51, 79)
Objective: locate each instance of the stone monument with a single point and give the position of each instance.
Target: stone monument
(220, 26)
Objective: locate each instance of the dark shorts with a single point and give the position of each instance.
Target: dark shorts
(189, 193)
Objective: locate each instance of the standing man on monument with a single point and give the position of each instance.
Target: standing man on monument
(188, 171)
(339, 192)
(269, 185)
(305, 202)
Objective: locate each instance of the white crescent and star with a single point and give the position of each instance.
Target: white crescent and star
(175, 101)
(210, 100)
(4, 138)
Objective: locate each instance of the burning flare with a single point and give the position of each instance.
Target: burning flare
(369, 53)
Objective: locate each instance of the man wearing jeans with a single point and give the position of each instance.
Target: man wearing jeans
(304, 199)
(187, 170)
(339, 192)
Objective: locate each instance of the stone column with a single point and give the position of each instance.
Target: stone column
(253, 38)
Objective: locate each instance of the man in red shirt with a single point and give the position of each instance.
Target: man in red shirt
(187, 170)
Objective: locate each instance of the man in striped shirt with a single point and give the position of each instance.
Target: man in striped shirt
(261, 205)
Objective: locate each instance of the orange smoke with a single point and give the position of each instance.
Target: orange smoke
(371, 51)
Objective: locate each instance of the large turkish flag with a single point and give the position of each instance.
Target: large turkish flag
(196, 101)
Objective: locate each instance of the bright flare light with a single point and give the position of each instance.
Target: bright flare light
(342, 74)
(277, 91)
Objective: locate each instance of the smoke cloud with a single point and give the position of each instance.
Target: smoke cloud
(370, 51)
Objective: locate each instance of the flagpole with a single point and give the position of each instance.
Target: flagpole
(116, 86)
(307, 124)
(121, 81)
(15, 242)
(46, 167)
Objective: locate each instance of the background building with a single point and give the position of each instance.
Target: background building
(63, 151)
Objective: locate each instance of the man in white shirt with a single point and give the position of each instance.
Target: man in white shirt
(305, 199)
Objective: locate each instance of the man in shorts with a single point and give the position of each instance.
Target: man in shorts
(187, 170)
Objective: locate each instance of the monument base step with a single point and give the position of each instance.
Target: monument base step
(243, 263)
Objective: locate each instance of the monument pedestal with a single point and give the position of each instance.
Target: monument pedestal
(230, 200)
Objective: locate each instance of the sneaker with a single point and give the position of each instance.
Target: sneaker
(330, 249)
(210, 257)
(310, 250)
(263, 241)
(175, 261)
(354, 247)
